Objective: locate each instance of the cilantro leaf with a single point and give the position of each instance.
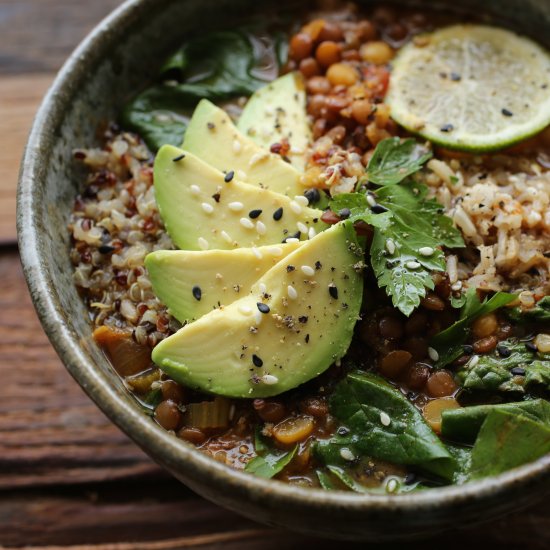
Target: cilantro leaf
(449, 342)
(393, 160)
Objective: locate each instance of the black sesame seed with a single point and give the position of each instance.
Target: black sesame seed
(503, 351)
(302, 319)
(344, 214)
(312, 195)
(290, 268)
(264, 308)
(410, 479)
(531, 346)
(278, 214)
(216, 197)
(197, 293)
(254, 214)
(455, 77)
(342, 430)
(333, 291)
(229, 176)
(105, 249)
(210, 125)
(378, 209)
(517, 371)
(447, 128)
(179, 157)
(506, 112)
(318, 265)
(307, 338)
(257, 361)
(467, 349)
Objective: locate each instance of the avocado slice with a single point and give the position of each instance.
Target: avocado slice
(277, 112)
(297, 320)
(204, 209)
(192, 283)
(212, 136)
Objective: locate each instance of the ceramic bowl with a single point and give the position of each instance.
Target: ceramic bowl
(117, 58)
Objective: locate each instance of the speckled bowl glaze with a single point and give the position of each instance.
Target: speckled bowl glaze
(115, 60)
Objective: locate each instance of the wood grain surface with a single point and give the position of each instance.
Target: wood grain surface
(68, 477)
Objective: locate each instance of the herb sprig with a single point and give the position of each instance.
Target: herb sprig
(409, 228)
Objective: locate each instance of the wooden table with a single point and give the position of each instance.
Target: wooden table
(68, 477)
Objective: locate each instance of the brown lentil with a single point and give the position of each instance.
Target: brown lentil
(441, 384)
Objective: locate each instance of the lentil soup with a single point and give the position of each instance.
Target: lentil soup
(443, 357)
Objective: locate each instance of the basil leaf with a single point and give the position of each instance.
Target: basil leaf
(217, 66)
(395, 159)
(360, 402)
(448, 343)
(270, 464)
(507, 440)
(463, 424)
(539, 314)
(494, 373)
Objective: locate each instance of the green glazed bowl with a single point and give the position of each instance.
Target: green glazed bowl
(115, 60)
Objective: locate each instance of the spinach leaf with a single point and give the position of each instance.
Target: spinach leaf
(270, 464)
(463, 424)
(217, 66)
(395, 159)
(494, 373)
(507, 440)
(539, 314)
(448, 343)
(364, 404)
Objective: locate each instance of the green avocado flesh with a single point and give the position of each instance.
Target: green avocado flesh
(201, 210)
(297, 320)
(192, 283)
(277, 112)
(214, 139)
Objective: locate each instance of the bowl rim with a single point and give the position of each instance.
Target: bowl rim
(164, 447)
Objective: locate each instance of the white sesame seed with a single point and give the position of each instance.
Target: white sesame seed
(245, 310)
(346, 454)
(457, 286)
(412, 264)
(203, 243)
(269, 379)
(371, 200)
(219, 276)
(385, 419)
(208, 208)
(292, 240)
(391, 486)
(262, 288)
(258, 317)
(311, 232)
(257, 253)
(302, 228)
(295, 207)
(390, 246)
(261, 228)
(237, 147)
(276, 251)
(226, 237)
(308, 270)
(301, 200)
(473, 361)
(245, 222)
(235, 206)
(195, 189)
(241, 175)
(291, 291)
(432, 353)
(426, 251)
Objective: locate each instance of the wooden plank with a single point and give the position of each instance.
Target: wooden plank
(36, 37)
(50, 432)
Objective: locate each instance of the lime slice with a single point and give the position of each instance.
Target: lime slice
(471, 87)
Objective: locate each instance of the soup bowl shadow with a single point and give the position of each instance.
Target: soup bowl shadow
(114, 61)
